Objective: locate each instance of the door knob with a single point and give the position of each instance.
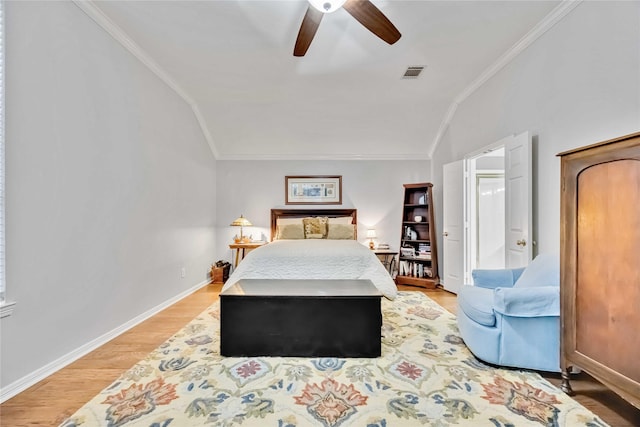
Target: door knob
(521, 242)
(445, 234)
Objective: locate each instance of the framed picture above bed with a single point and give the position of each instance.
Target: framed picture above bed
(313, 190)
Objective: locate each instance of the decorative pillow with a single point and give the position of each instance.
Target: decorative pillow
(290, 231)
(341, 220)
(315, 227)
(341, 231)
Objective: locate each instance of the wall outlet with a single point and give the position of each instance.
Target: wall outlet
(183, 272)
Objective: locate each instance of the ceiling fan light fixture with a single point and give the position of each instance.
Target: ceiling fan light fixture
(327, 6)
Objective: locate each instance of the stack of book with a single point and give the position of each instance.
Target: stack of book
(424, 251)
(414, 269)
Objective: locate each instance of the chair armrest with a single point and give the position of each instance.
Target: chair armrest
(527, 302)
(503, 278)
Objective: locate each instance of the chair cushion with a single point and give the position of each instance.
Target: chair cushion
(495, 278)
(544, 270)
(477, 304)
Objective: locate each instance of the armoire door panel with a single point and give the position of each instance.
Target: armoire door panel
(608, 230)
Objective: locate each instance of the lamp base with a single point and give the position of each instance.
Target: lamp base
(371, 245)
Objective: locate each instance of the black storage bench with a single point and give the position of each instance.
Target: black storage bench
(300, 318)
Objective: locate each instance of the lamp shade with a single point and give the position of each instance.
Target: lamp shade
(241, 222)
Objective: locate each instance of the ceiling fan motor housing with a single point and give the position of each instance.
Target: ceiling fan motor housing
(325, 6)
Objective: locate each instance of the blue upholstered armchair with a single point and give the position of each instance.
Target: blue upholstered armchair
(511, 317)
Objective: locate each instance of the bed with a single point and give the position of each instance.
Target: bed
(301, 249)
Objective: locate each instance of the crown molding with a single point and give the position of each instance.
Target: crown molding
(205, 130)
(118, 34)
(341, 156)
(542, 27)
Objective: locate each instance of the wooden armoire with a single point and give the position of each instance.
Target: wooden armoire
(600, 264)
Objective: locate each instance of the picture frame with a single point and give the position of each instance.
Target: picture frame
(313, 190)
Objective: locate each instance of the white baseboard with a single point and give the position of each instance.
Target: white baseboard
(38, 375)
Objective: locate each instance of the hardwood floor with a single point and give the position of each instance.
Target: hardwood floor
(50, 401)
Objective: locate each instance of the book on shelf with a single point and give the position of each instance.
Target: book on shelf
(414, 269)
(424, 247)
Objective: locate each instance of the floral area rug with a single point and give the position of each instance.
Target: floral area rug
(425, 376)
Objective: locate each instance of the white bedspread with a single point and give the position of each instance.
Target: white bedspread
(314, 259)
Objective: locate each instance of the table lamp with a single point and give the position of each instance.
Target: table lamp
(371, 234)
(241, 222)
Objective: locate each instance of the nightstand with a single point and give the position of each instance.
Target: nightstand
(388, 258)
(243, 248)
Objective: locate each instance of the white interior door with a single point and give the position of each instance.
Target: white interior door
(453, 226)
(518, 201)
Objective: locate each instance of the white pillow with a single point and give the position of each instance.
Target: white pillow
(341, 220)
(288, 221)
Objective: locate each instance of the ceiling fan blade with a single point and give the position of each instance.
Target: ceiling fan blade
(373, 19)
(308, 29)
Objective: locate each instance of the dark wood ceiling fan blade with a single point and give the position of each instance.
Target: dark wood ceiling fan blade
(373, 19)
(308, 29)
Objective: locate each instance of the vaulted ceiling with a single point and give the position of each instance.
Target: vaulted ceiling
(232, 61)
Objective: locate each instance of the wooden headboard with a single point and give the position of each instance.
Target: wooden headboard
(303, 213)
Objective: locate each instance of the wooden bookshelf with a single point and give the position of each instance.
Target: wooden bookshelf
(418, 257)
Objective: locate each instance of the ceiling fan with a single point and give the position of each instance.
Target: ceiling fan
(363, 10)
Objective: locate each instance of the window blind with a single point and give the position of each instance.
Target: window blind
(2, 223)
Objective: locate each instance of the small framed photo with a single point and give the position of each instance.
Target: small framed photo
(313, 189)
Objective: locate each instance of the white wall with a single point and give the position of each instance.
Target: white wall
(253, 188)
(577, 84)
(110, 187)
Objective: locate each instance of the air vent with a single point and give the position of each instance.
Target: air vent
(412, 72)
